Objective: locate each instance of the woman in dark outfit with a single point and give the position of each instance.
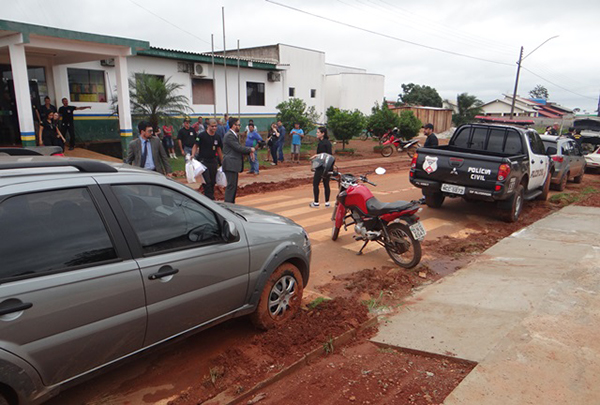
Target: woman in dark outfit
(273, 138)
(324, 146)
(49, 133)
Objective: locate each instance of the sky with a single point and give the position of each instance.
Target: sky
(453, 46)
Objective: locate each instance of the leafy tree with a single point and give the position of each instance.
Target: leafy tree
(155, 99)
(414, 94)
(468, 107)
(345, 124)
(410, 125)
(382, 119)
(295, 110)
(539, 91)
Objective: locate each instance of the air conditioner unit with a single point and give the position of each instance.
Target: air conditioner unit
(200, 70)
(107, 62)
(274, 76)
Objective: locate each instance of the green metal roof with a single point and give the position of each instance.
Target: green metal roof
(206, 58)
(28, 29)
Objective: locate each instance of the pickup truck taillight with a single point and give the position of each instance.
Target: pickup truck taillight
(413, 164)
(558, 159)
(503, 172)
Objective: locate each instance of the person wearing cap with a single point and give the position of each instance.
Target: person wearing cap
(431, 140)
(186, 138)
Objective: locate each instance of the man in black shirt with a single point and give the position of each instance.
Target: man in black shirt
(46, 108)
(208, 146)
(67, 125)
(431, 138)
(186, 138)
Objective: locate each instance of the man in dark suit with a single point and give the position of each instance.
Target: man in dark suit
(147, 151)
(233, 159)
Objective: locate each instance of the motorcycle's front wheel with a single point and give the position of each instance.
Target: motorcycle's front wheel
(387, 151)
(402, 247)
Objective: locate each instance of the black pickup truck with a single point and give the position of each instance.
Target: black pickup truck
(488, 162)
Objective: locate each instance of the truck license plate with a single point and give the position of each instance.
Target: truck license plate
(418, 231)
(451, 188)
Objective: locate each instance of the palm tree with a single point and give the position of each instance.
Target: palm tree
(156, 99)
(468, 107)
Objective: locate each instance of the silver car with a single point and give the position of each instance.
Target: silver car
(102, 261)
(568, 159)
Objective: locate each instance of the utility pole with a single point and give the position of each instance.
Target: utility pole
(212, 58)
(225, 63)
(512, 105)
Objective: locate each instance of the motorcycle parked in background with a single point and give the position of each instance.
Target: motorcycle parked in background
(395, 142)
(395, 226)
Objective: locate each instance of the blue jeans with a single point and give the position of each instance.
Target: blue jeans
(254, 164)
(280, 148)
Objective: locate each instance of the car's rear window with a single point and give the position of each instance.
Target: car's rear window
(495, 140)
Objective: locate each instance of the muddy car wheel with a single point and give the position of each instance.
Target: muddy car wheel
(434, 200)
(280, 299)
(563, 182)
(579, 179)
(546, 189)
(516, 205)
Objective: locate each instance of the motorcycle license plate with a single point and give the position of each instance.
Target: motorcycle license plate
(451, 188)
(418, 231)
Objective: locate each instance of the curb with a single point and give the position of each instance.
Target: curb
(225, 399)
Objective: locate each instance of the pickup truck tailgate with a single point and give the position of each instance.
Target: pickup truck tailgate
(460, 168)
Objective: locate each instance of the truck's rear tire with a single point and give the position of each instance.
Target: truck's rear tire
(514, 205)
(434, 200)
(546, 189)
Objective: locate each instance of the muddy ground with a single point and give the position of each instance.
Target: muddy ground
(359, 371)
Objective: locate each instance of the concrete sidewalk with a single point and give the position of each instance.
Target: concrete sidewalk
(527, 311)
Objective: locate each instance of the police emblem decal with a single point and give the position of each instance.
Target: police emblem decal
(430, 164)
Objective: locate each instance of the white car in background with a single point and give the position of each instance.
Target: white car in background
(592, 159)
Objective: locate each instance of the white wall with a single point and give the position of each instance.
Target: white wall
(332, 69)
(306, 72)
(350, 91)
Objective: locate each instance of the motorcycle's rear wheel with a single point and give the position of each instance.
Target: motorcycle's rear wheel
(411, 151)
(402, 247)
(387, 151)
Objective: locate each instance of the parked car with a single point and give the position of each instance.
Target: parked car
(504, 164)
(592, 159)
(101, 261)
(32, 151)
(569, 162)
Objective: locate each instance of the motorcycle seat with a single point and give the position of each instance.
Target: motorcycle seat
(376, 207)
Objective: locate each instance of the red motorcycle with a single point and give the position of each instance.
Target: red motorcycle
(395, 226)
(395, 142)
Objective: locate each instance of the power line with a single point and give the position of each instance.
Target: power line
(388, 36)
(169, 22)
(557, 85)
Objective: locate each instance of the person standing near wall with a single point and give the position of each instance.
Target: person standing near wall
(46, 109)
(65, 113)
(233, 161)
(281, 142)
(168, 143)
(297, 135)
(186, 138)
(272, 142)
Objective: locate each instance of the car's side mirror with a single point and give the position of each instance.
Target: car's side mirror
(551, 151)
(230, 232)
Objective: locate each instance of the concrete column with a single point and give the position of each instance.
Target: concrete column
(18, 64)
(123, 103)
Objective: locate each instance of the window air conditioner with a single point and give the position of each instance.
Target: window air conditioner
(200, 70)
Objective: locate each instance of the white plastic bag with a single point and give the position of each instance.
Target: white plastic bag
(221, 179)
(193, 169)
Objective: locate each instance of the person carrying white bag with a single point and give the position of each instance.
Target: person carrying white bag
(193, 170)
(208, 148)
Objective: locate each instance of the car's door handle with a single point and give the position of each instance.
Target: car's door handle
(15, 307)
(533, 162)
(164, 271)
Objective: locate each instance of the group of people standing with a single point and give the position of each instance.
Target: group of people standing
(55, 124)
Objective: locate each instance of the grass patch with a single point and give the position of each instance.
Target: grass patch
(375, 304)
(316, 302)
(564, 198)
(328, 346)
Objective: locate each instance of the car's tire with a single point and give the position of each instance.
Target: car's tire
(546, 189)
(579, 179)
(281, 297)
(563, 182)
(335, 232)
(387, 151)
(404, 242)
(4, 400)
(515, 205)
(434, 200)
